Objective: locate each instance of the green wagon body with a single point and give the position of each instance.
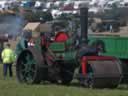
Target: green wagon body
(114, 45)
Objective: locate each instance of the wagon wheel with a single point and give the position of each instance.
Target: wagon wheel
(29, 66)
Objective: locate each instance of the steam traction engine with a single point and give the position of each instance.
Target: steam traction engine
(58, 61)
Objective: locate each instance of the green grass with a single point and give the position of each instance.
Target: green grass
(10, 87)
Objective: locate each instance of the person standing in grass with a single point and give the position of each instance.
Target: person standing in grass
(8, 58)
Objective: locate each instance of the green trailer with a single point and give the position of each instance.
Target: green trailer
(113, 45)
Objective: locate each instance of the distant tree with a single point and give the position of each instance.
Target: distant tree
(38, 16)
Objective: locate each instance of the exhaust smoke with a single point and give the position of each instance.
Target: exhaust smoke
(11, 25)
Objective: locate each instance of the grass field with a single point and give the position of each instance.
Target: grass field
(10, 87)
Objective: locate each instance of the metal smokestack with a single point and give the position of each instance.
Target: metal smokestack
(84, 24)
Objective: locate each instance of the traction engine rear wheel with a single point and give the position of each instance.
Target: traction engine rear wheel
(28, 66)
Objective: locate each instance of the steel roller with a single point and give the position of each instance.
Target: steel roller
(106, 74)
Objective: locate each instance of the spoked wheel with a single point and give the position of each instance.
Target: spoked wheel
(29, 66)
